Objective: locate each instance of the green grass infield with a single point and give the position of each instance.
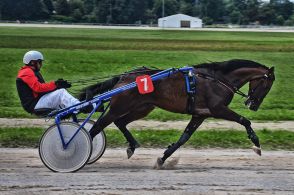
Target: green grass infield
(270, 140)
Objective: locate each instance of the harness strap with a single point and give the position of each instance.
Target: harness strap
(190, 79)
(229, 86)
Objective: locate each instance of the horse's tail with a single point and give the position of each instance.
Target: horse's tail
(98, 88)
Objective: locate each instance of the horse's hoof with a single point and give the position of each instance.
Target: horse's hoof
(131, 149)
(257, 150)
(130, 152)
(159, 163)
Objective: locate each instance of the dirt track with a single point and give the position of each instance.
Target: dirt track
(197, 172)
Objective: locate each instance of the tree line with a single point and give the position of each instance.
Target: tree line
(242, 12)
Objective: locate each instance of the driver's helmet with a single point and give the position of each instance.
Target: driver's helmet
(32, 55)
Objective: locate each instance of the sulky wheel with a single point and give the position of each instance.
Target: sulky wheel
(71, 159)
(99, 142)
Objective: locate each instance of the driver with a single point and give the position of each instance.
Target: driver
(35, 93)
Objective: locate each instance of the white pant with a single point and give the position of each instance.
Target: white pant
(57, 99)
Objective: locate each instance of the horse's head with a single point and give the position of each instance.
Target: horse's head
(259, 88)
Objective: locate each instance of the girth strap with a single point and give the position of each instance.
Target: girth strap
(190, 79)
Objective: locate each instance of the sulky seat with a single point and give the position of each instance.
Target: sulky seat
(42, 112)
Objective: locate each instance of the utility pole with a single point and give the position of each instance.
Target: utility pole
(110, 9)
(162, 8)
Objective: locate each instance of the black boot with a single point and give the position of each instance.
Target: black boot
(87, 109)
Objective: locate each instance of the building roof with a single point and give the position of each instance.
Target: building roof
(180, 16)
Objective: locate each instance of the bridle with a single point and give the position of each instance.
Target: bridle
(233, 88)
(252, 91)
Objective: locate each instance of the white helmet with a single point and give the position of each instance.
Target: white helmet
(32, 55)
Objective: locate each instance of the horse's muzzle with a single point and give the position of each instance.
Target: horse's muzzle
(252, 104)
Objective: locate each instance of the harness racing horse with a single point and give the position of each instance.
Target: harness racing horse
(216, 84)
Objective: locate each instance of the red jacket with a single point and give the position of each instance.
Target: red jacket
(31, 86)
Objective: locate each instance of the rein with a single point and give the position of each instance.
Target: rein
(95, 79)
(78, 83)
(226, 84)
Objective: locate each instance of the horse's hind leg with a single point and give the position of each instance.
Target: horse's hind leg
(120, 105)
(190, 129)
(106, 120)
(122, 123)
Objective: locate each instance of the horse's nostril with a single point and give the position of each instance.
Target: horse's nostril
(249, 104)
(247, 101)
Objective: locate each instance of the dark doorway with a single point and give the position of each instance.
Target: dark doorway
(185, 24)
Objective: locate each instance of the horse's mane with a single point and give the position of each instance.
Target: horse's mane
(230, 65)
(142, 69)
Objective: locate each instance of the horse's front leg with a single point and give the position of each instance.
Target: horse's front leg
(224, 112)
(190, 129)
(251, 134)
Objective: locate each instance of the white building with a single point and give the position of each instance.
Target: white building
(179, 21)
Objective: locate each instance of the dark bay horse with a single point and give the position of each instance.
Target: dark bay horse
(216, 84)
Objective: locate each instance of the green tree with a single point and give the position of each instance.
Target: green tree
(196, 9)
(245, 10)
(251, 11)
(235, 17)
(282, 8)
(103, 11)
(136, 10)
(171, 7)
(89, 6)
(186, 7)
(62, 7)
(290, 21)
(76, 10)
(23, 10)
(212, 10)
(279, 20)
(266, 15)
(1, 7)
(49, 6)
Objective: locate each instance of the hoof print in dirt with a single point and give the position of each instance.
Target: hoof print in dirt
(158, 164)
(168, 165)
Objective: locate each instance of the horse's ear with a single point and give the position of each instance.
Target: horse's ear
(271, 73)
